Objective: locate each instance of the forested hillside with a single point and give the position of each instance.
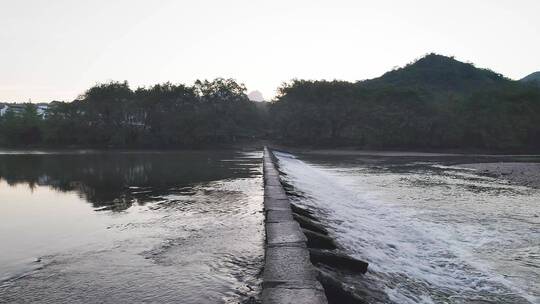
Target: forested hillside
(533, 79)
(439, 74)
(435, 102)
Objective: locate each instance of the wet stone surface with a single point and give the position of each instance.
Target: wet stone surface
(289, 276)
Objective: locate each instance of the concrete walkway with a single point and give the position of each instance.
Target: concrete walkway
(289, 276)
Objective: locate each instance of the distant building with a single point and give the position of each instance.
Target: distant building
(16, 108)
(19, 108)
(3, 109)
(42, 109)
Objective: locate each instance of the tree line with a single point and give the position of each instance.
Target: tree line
(164, 115)
(335, 113)
(435, 102)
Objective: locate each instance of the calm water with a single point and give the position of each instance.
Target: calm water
(432, 232)
(95, 227)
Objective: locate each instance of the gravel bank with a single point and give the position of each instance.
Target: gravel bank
(525, 174)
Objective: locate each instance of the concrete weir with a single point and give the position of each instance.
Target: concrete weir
(289, 277)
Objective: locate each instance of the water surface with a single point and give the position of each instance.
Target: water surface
(432, 232)
(130, 227)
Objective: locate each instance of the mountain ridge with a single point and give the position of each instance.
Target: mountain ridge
(531, 78)
(439, 72)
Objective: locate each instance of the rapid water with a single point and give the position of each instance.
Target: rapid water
(133, 227)
(432, 232)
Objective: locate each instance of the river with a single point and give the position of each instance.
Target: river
(130, 227)
(432, 231)
(187, 226)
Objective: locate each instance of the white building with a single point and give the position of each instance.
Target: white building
(42, 109)
(3, 109)
(19, 108)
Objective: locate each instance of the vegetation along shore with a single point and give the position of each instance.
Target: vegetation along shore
(435, 102)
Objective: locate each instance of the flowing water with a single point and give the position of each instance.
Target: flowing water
(432, 232)
(130, 227)
(186, 227)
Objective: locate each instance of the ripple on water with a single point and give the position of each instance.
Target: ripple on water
(196, 243)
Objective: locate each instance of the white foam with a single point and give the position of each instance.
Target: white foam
(422, 242)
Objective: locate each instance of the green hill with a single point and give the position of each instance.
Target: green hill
(434, 102)
(439, 73)
(532, 78)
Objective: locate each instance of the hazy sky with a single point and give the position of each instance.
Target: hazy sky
(56, 49)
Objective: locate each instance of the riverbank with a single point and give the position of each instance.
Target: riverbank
(518, 169)
(523, 174)
(239, 145)
(402, 152)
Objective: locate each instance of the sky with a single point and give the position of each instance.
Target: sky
(57, 49)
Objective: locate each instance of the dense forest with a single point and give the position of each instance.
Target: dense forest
(435, 102)
(165, 115)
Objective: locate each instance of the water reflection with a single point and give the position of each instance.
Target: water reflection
(131, 227)
(114, 181)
